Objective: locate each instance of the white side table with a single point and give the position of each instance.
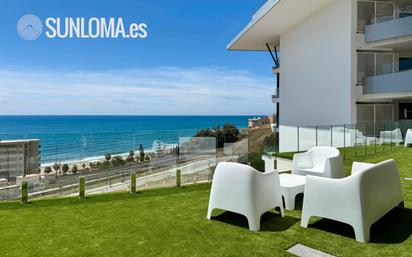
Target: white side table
(269, 162)
(291, 185)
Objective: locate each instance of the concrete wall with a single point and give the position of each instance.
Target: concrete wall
(317, 79)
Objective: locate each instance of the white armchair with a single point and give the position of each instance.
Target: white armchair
(358, 200)
(320, 161)
(242, 189)
(391, 136)
(408, 137)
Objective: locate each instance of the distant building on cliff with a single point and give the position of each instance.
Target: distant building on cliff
(257, 122)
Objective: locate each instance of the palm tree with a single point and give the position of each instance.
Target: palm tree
(141, 152)
(56, 167)
(84, 165)
(108, 156)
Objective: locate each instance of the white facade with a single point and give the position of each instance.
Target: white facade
(315, 68)
(340, 64)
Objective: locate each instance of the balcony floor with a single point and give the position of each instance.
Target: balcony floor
(172, 222)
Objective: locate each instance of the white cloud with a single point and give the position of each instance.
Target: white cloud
(163, 90)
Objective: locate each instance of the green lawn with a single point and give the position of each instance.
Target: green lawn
(172, 222)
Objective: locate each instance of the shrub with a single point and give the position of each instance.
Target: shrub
(108, 156)
(74, 169)
(228, 134)
(117, 161)
(65, 168)
(257, 162)
(47, 170)
(130, 157)
(105, 164)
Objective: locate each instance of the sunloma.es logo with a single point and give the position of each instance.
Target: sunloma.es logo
(30, 27)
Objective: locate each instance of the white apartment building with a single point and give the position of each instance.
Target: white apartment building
(19, 157)
(338, 61)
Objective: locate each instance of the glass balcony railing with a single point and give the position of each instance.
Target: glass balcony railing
(381, 20)
(354, 140)
(371, 64)
(106, 160)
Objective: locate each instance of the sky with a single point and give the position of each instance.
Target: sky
(181, 68)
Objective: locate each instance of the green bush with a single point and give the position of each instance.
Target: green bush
(47, 170)
(65, 168)
(228, 134)
(117, 161)
(257, 162)
(75, 169)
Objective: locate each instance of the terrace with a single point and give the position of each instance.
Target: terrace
(164, 218)
(172, 222)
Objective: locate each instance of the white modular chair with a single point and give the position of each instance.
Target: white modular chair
(408, 138)
(242, 189)
(358, 138)
(358, 200)
(392, 136)
(320, 161)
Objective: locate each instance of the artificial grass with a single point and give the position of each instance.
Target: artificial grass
(172, 222)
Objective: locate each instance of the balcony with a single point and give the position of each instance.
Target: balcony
(385, 23)
(392, 29)
(392, 83)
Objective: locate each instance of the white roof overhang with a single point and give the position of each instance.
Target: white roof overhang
(271, 20)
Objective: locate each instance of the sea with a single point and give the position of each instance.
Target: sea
(74, 138)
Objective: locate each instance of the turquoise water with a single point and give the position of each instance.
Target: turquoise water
(79, 137)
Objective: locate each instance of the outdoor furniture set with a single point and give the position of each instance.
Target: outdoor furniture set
(362, 198)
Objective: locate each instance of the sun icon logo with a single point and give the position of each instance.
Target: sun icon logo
(29, 27)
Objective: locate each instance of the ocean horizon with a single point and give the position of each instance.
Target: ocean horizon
(66, 138)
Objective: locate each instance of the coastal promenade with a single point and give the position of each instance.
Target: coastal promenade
(154, 174)
(192, 173)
